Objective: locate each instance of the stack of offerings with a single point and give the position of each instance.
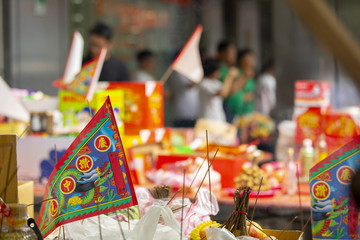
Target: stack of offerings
(315, 120)
(312, 100)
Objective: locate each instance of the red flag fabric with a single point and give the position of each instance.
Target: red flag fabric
(188, 62)
(91, 178)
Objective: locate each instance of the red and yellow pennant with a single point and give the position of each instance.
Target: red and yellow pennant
(91, 178)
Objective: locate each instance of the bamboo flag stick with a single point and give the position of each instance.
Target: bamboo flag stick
(128, 215)
(90, 111)
(56, 160)
(207, 153)
(299, 194)
(63, 230)
(166, 75)
(278, 237)
(118, 221)
(59, 232)
(182, 207)
(97, 208)
(257, 196)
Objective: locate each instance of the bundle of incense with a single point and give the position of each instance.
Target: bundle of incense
(236, 223)
(160, 191)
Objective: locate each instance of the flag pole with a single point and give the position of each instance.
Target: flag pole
(166, 75)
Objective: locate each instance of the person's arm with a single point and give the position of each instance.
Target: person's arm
(228, 83)
(240, 82)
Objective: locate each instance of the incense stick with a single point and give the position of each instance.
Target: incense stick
(287, 227)
(182, 207)
(192, 182)
(10, 179)
(252, 224)
(307, 222)
(217, 150)
(257, 196)
(45, 200)
(173, 196)
(25, 131)
(8, 172)
(206, 172)
(207, 153)
(7, 179)
(299, 194)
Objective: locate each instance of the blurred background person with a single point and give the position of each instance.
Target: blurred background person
(246, 65)
(266, 89)
(212, 91)
(146, 64)
(241, 99)
(226, 54)
(113, 70)
(184, 95)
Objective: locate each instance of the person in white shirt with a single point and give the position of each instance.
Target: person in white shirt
(146, 63)
(212, 91)
(266, 89)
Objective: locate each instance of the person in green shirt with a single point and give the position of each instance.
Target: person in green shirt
(226, 53)
(246, 64)
(241, 99)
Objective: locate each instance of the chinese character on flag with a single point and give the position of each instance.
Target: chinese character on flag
(91, 178)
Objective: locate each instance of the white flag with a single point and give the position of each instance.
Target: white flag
(188, 62)
(10, 106)
(74, 59)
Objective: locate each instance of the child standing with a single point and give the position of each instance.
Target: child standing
(212, 91)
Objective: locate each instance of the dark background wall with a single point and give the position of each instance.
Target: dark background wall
(35, 42)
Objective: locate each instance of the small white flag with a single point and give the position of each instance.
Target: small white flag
(188, 62)
(74, 59)
(10, 106)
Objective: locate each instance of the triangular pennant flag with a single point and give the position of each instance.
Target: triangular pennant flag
(10, 106)
(91, 178)
(188, 62)
(84, 83)
(74, 59)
